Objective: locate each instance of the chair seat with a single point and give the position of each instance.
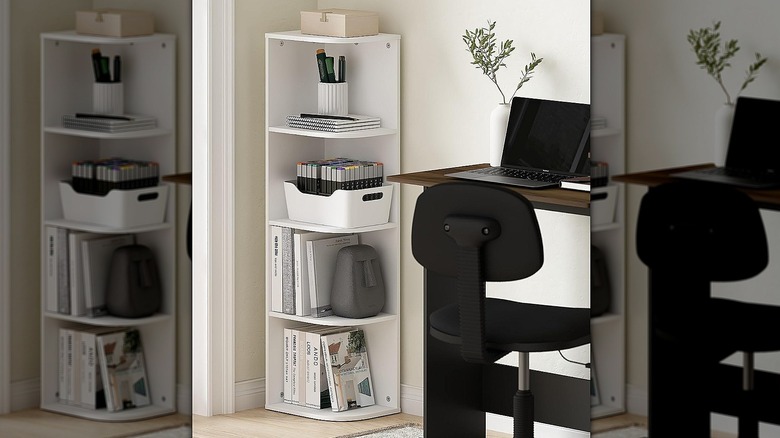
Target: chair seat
(513, 326)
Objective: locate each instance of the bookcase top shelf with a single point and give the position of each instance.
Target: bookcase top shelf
(336, 320)
(141, 133)
(110, 321)
(72, 36)
(296, 35)
(375, 132)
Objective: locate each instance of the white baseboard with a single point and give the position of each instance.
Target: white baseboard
(25, 394)
(250, 394)
(412, 400)
(636, 400)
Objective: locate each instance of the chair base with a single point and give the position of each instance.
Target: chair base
(523, 414)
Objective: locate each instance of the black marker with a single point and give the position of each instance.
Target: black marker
(117, 69)
(342, 69)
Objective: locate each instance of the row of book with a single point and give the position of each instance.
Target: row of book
(98, 177)
(326, 123)
(77, 267)
(323, 177)
(302, 268)
(102, 367)
(327, 367)
(109, 123)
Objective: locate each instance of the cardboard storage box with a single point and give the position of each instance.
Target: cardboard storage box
(339, 22)
(114, 22)
(343, 208)
(118, 208)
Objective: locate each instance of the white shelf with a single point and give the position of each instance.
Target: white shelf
(326, 414)
(374, 88)
(375, 132)
(335, 321)
(149, 80)
(134, 414)
(141, 133)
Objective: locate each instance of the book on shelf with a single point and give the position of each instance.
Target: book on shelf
(96, 256)
(109, 124)
(301, 269)
(123, 369)
(321, 256)
(67, 367)
(317, 391)
(296, 364)
(76, 275)
(92, 395)
(579, 183)
(288, 272)
(51, 286)
(348, 372)
(276, 268)
(63, 271)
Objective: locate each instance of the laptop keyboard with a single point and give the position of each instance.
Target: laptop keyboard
(525, 174)
(742, 174)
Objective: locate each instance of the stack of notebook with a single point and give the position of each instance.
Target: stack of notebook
(108, 123)
(328, 123)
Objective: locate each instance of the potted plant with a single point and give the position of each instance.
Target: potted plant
(714, 58)
(489, 56)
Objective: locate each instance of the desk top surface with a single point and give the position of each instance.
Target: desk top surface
(567, 201)
(766, 198)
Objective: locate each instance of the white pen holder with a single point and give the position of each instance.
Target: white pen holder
(108, 98)
(332, 98)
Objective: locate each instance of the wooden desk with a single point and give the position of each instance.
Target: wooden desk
(566, 201)
(680, 395)
(457, 394)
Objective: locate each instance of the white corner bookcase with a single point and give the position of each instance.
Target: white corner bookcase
(373, 75)
(608, 144)
(148, 75)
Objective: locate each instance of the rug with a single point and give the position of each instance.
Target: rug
(409, 430)
(623, 432)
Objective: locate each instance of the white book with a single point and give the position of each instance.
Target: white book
(63, 272)
(287, 387)
(76, 275)
(91, 388)
(71, 365)
(51, 269)
(302, 294)
(123, 370)
(62, 369)
(295, 395)
(317, 392)
(96, 255)
(276, 268)
(322, 265)
(349, 373)
(288, 272)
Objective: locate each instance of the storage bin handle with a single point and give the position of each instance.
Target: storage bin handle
(372, 196)
(147, 196)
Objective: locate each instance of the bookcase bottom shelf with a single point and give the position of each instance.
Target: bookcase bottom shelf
(134, 414)
(363, 413)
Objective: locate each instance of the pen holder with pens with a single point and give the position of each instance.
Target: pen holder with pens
(333, 98)
(108, 98)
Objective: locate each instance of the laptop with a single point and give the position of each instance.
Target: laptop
(753, 155)
(546, 141)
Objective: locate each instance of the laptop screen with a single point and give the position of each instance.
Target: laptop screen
(547, 134)
(753, 142)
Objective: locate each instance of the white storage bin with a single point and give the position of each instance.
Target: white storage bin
(344, 208)
(602, 204)
(118, 208)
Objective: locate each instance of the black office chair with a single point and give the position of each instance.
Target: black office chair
(689, 235)
(477, 233)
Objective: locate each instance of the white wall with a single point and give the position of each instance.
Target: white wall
(671, 106)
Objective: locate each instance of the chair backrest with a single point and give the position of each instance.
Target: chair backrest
(712, 232)
(476, 233)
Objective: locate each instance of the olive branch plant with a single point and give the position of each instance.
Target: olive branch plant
(489, 56)
(713, 58)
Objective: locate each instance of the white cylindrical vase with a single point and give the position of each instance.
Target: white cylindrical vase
(723, 120)
(108, 98)
(333, 98)
(499, 118)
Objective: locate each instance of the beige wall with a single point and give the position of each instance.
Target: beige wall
(445, 103)
(29, 18)
(671, 106)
